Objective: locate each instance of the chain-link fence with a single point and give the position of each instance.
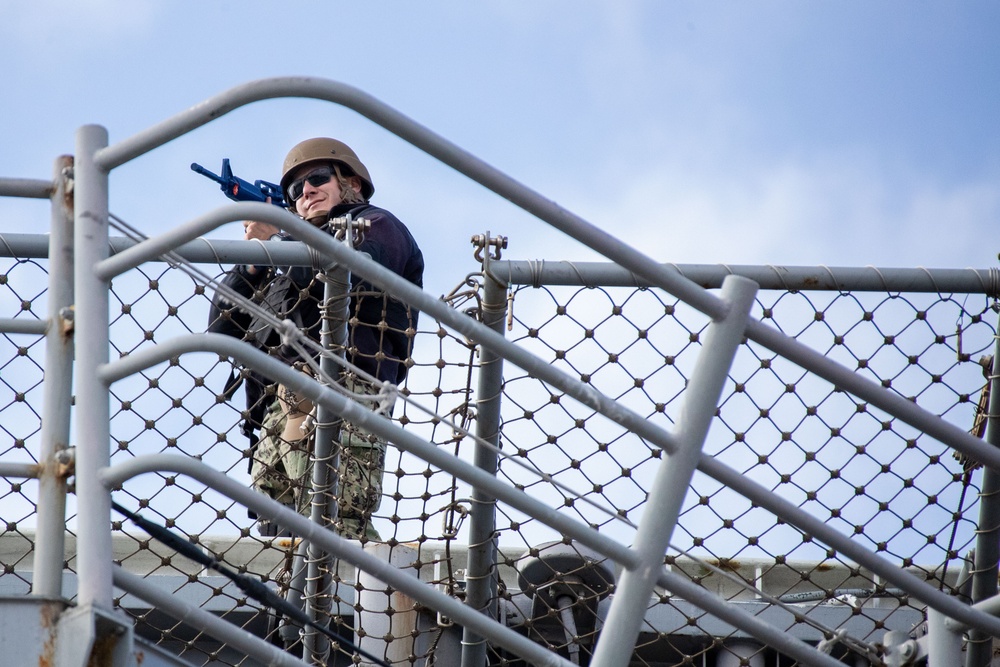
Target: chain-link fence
(900, 493)
(22, 293)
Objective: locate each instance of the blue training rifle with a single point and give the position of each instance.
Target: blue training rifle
(239, 190)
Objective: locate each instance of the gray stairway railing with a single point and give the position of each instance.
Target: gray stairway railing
(86, 328)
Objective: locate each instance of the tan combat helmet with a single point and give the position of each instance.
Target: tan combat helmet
(322, 149)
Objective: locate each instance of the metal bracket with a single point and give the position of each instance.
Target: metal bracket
(93, 636)
(449, 530)
(901, 650)
(66, 462)
(483, 242)
(357, 226)
(68, 182)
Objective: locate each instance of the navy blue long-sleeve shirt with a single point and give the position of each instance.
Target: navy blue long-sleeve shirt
(380, 327)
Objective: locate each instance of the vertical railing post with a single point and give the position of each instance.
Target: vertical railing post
(326, 461)
(92, 403)
(673, 477)
(944, 645)
(481, 575)
(58, 390)
(987, 561)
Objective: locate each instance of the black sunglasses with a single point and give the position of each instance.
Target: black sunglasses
(315, 178)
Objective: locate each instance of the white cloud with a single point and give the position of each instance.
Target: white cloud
(842, 210)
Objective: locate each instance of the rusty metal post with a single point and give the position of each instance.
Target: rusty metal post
(58, 390)
(987, 561)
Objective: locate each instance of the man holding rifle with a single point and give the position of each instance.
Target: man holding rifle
(323, 179)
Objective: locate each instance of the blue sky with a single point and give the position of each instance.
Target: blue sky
(803, 133)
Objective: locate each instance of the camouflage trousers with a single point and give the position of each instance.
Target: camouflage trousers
(283, 461)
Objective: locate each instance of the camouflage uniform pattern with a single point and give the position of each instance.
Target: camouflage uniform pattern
(380, 340)
(281, 467)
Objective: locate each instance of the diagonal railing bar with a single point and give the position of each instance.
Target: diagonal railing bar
(303, 255)
(108, 157)
(408, 442)
(332, 543)
(219, 628)
(806, 357)
(95, 268)
(370, 421)
(573, 225)
(586, 394)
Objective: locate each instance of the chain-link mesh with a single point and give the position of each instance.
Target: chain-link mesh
(872, 477)
(22, 358)
(868, 475)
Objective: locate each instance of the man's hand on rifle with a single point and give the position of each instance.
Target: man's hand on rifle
(262, 231)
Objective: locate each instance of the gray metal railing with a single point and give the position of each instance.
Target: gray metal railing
(95, 266)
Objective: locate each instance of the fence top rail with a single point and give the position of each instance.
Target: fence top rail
(768, 276)
(536, 273)
(198, 251)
